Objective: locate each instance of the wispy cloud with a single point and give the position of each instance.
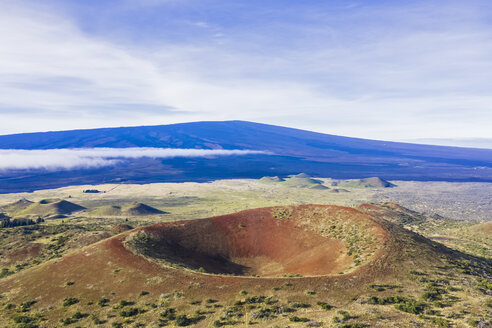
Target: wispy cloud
(56, 159)
(376, 70)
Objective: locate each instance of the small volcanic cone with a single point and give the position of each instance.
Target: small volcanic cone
(142, 209)
(17, 206)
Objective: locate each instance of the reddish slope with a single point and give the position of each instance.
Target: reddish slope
(292, 242)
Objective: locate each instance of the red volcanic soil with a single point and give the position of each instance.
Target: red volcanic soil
(25, 253)
(247, 243)
(267, 242)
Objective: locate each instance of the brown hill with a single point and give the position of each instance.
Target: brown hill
(45, 207)
(319, 187)
(17, 206)
(136, 209)
(50, 207)
(142, 209)
(483, 228)
(334, 252)
(374, 182)
(119, 228)
(271, 179)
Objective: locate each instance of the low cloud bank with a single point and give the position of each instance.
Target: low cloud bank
(55, 159)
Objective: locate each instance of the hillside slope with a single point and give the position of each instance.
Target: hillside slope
(400, 275)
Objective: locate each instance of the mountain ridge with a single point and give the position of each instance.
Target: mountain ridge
(294, 151)
(9, 138)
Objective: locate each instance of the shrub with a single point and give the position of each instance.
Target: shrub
(418, 273)
(26, 306)
(440, 322)
(183, 320)
(143, 293)
(345, 315)
(70, 301)
(441, 304)
(23, 319)
(103, 302)
(169, 314)
(130, 312)
(266, 313)
(484, 284)
(353, 325)
(96, 320)
(297, 305)
(386, 300)
(78, 315)
(432, 294)
(5, 272)
(123, 303)
(411, 306)
(325, 306)
(68, 321)
(255, 299)
(298, 319)
(220, 323)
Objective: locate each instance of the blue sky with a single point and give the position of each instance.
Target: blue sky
(374, 69)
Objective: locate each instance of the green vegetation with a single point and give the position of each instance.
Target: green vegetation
(387, 300)
(381, 288)
(411, 306)
(23, 319)
(8, 223)
(74, 318)
(26, 306)
(353, 325)
(325, 306)
(130, 312)
(404, 304)
(297, 305)
(123, 303)
(103, 302)
(298, 319)
(484, 284)
(451, 291)
(440, 322)
(70, 301)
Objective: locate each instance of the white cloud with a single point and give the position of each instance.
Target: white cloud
(55, 159)
(402, 72)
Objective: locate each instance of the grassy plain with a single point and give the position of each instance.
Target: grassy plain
(454, 214)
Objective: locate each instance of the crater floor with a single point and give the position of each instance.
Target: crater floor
(267, 242)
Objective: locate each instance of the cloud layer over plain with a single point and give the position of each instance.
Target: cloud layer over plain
(56, 159)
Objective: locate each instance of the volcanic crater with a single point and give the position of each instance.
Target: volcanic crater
(306, 240)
